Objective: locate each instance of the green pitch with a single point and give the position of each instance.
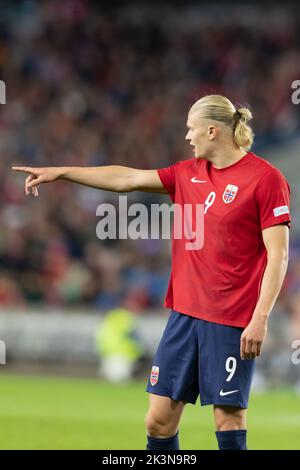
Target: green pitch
(55, 413)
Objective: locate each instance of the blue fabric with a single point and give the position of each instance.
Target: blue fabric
(232, 440)
(169, 443)
(195, 356)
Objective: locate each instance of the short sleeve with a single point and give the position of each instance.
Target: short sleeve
(167, 177)
(273, 199)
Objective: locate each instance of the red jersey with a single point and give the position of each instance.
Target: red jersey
(221, 281)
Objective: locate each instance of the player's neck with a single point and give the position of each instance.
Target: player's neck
(222, 159)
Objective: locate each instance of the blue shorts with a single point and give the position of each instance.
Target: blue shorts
(200, 357)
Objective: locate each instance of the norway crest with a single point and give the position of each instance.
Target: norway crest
(154, 375)
(229, 193)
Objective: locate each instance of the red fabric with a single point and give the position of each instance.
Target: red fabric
(221, 282)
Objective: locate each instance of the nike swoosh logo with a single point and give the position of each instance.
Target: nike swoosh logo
(227, 393)
(194, 180)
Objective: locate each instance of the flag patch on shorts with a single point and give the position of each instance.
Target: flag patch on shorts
(154, 375)
(281, 210)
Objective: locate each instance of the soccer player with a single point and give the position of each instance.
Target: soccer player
(221, 295)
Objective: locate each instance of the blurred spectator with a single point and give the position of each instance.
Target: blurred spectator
(118, 345)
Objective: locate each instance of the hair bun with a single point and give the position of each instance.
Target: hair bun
(244, 114)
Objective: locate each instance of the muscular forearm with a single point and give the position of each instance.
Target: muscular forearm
(111, 178)
(272, 282)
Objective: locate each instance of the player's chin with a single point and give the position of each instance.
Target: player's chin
(196, 152)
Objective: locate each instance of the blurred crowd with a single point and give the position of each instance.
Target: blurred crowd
(92, 87)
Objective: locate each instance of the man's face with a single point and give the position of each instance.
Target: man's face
(200, 136)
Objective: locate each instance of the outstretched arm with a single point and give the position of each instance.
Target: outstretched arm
(112, 178)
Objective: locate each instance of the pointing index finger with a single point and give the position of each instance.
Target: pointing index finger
(25, 169)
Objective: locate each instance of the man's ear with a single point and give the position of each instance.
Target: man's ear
(212, 132)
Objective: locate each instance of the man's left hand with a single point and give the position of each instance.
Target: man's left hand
(252, 338)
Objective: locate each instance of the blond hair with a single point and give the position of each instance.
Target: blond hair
(219, 108)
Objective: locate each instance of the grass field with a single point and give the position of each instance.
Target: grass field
(56, 413)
